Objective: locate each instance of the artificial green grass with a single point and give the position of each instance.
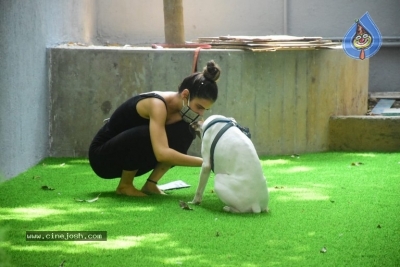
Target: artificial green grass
(317, 200)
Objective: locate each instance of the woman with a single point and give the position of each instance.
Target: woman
(151, 131)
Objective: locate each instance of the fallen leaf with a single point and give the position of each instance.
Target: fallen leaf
(184, 205)
(323, 250)
(89, 200)
(45, 187)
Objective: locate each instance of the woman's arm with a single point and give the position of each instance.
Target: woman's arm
(159, 140)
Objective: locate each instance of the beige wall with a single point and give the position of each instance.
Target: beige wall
(142, 22)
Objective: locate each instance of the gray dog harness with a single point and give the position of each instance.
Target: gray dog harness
(229, 124)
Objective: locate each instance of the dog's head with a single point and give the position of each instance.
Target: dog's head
(199, 126)
(196, 127)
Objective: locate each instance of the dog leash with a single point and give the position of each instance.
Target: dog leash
(229, 124)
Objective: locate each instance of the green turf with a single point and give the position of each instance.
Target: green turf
(317, 200)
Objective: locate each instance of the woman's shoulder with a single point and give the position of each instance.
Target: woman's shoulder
(165, 96)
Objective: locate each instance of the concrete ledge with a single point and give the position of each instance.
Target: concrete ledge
(364, 133)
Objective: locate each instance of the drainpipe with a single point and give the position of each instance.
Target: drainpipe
(173, 22)
(285, 19)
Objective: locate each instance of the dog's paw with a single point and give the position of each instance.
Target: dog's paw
(231, 209)
(195, 202)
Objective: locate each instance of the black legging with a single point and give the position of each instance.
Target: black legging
(132, 150)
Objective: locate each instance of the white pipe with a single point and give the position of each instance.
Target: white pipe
(285, 17)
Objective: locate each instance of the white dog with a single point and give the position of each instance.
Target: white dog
(239, 180)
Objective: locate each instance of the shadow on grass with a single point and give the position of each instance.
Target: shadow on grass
(157, 241)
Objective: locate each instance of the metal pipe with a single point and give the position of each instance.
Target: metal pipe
(285, 17)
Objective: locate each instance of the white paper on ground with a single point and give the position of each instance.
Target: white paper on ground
(174, 185)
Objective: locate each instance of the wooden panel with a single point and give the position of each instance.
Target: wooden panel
(267, 43)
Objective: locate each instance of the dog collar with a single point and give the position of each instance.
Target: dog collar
(214, 121)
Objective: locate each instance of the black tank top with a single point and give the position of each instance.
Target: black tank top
(124, 117)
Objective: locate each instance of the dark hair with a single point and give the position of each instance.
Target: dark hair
(203, 84)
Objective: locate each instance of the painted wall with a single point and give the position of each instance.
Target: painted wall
(142, 22)
(26, 29)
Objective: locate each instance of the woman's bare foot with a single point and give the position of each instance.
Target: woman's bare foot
(129, 190)
(151, 188)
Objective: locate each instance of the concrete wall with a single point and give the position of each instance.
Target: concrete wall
(26, 29)
(286, 98)
(364, 133)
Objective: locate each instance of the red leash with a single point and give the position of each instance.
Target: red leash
(195, 59)
(193, 45)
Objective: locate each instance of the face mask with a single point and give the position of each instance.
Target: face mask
(188, 115)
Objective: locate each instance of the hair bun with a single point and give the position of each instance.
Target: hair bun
(211, 71)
